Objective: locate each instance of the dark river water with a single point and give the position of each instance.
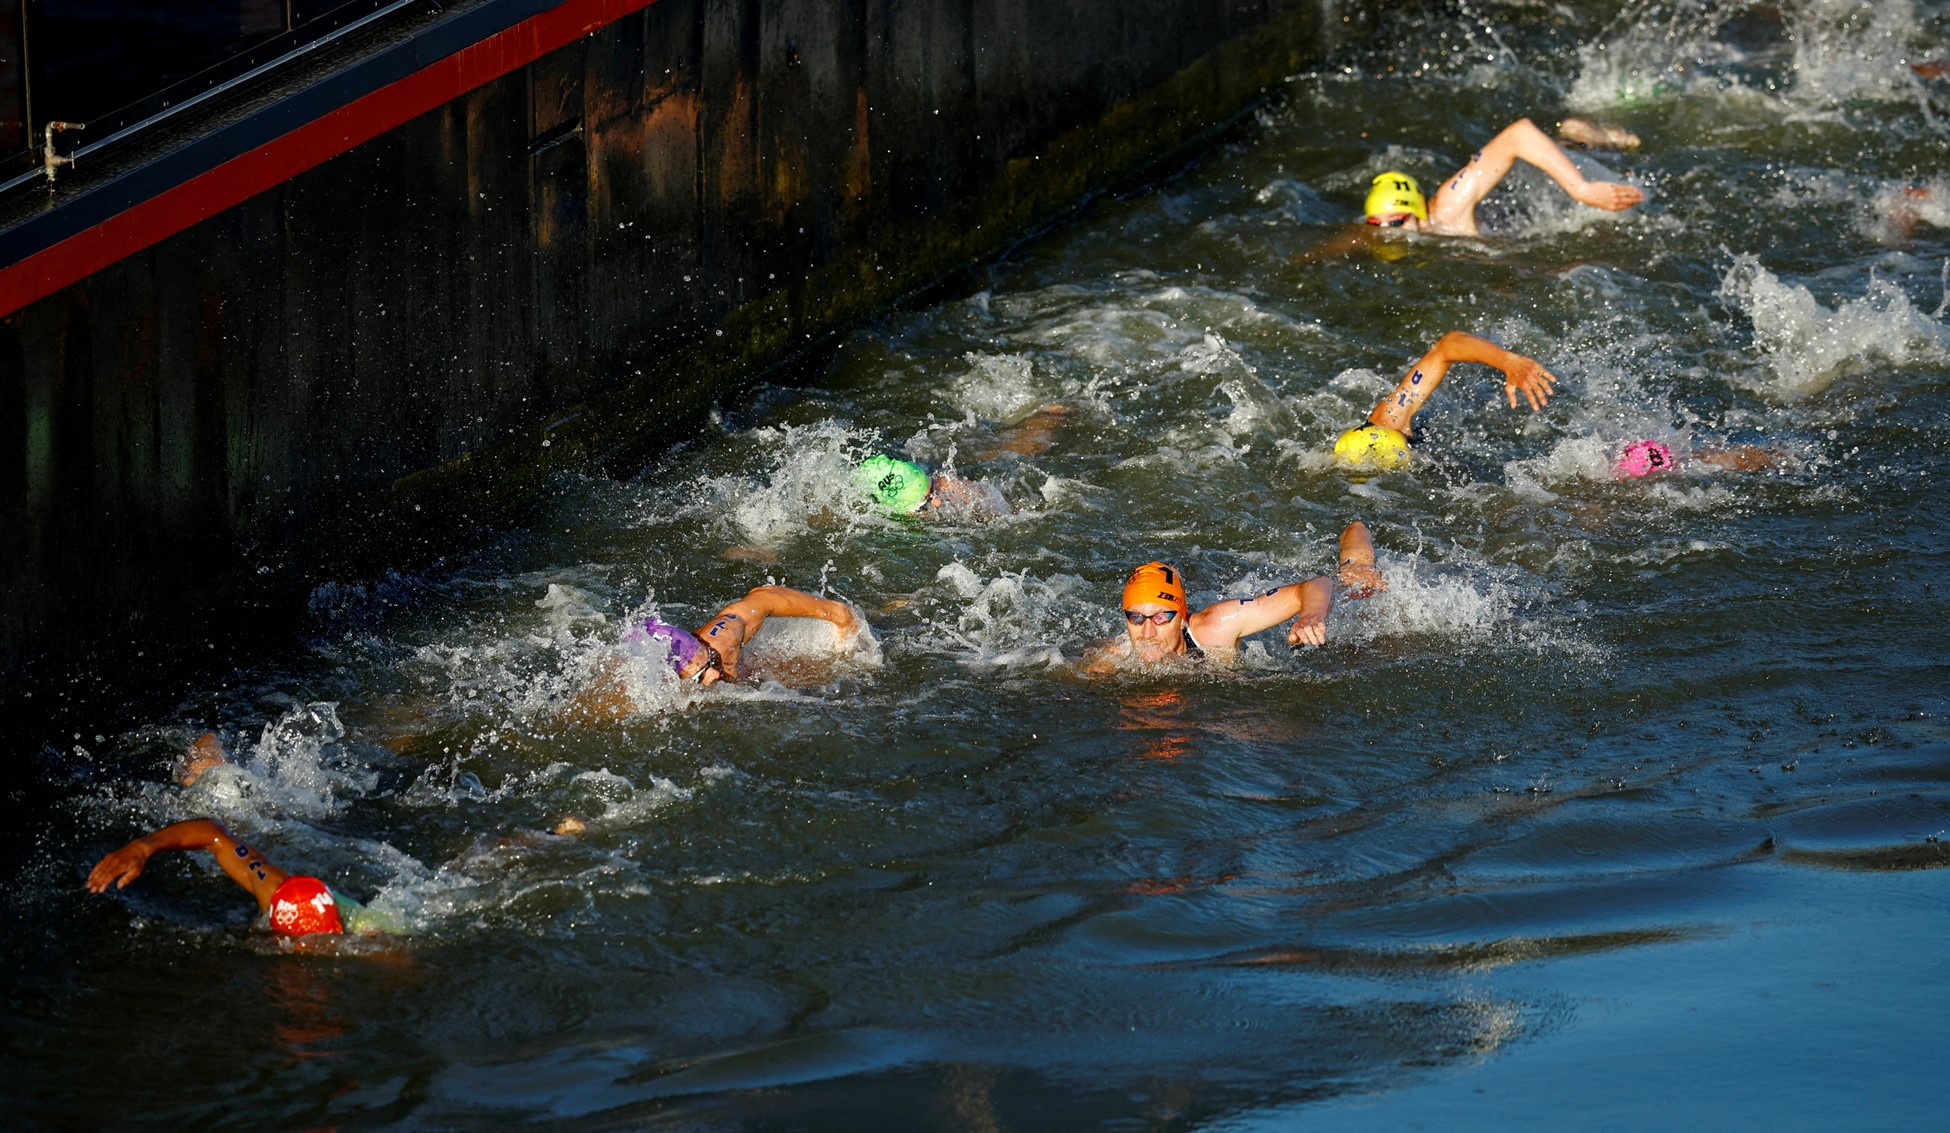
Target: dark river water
(1620, 808)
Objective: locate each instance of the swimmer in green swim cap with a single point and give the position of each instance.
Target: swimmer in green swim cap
(1384, 440)
(903, 487)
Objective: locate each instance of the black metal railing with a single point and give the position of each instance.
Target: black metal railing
(99, 71)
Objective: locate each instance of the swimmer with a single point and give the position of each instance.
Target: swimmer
(1652, 458)
(903, 487)
(1159, 623)
(1395, 200)
(295, 905)
(1384, 439)
(711, 654)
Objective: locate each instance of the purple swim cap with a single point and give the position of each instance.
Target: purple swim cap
(1642, 458)
(684, 646)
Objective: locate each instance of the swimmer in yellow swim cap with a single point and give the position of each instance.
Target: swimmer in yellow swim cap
(1393, 200)
(1159, 623)
(1384, 440)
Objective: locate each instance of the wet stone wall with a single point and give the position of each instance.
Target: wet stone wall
(558, 270)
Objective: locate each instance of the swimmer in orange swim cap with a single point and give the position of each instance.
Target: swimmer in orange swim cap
(1159, 623)
(1383, 439)
(293, 905)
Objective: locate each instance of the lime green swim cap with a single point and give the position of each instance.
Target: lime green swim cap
(895, 484)
(1372, 446)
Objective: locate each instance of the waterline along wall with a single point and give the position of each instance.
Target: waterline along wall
(353, 314)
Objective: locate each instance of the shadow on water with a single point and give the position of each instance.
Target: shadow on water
(1649, 766)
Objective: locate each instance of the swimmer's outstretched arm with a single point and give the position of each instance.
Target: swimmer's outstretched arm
(1453, 208)
(1520, 375)
(736, 623)
(1222, 624)
(248, 868)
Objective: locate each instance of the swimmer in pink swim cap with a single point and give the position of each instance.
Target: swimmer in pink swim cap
(1643, 458)
(1653, 457)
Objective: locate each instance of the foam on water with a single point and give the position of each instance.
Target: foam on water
(1808, 346)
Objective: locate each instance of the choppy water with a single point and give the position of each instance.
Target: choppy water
(1620, 807)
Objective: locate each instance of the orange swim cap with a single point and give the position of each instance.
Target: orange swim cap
(302, 906)
(1155, 582)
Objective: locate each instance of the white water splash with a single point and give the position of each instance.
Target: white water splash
(1808, 346)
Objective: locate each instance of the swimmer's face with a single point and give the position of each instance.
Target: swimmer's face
(706, 668)
(1150, 640)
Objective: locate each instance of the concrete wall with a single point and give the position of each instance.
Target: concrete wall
(559, 269)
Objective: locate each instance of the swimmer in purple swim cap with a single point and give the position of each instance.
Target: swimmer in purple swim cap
(711, 654)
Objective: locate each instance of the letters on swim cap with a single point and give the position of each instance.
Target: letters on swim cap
(1155, 582)
(900, 486)
(1394, 194)
(303, 906)
(1372, 446)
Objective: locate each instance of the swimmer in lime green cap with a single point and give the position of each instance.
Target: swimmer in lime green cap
(905, 488)
(1383, 440)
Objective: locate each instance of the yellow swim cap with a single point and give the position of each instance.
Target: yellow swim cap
(1394, 194)
(1372, 446)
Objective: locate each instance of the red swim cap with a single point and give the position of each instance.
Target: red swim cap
(303, 906)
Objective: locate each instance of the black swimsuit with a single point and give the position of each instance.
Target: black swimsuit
(1192, 648)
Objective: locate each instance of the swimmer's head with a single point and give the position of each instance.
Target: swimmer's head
(1156, 582)
(303, 906)
(1643, 458)
(1394, 198)
(683, 644)
(1372, 446)
(900, 486)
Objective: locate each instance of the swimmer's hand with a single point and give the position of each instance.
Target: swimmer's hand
(1308, 629)
(1529, 377)
(1612, 196)
(120, 867)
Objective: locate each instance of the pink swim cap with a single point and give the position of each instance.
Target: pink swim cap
(1642, 458)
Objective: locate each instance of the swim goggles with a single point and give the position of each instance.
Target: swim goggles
(1162, 617)
(714, 663)
(1399, 220)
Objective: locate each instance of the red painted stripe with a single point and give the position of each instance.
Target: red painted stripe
(310, 145)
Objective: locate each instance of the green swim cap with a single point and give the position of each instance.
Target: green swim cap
(895, 484)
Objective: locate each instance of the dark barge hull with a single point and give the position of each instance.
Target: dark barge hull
(372, 306)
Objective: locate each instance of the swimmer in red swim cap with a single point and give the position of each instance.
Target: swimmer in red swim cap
(294, 905)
